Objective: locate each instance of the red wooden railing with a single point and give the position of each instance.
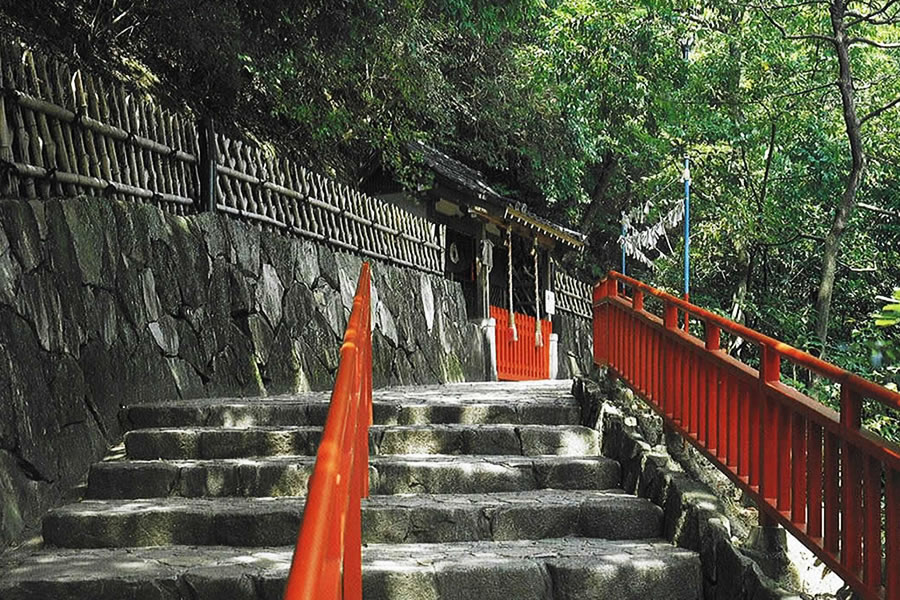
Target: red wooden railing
(522, 359)
(327, 563)
(815, 471)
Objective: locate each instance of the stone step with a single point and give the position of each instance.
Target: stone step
(218, 442)
(288, 475)
(386, 519)
(553, 569)
(312, 410)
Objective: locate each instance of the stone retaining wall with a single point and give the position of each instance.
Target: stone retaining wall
(104, 303)
(576, 354)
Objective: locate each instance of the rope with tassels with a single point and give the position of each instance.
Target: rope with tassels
(512, 316)
(538, 336)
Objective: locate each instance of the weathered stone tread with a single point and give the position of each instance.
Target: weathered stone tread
(220, 442)
(471, 403)
(532, 514)
(397, 474)
(553, 569)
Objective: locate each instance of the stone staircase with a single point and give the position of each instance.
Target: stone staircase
(479, 491)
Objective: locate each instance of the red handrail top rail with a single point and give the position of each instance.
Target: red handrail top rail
(868, 388)
(328, 552)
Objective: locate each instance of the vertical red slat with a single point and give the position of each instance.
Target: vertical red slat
(610, 318)
(872, 522)
(735, 418)
(754, 432)
(655, 367)
(785, 458)
(714, 407)
(668, 376)
(693, 392)
(598, 293)
(690, 390)
(711, 388)
(814, 481)
(851, 509)
(637, 304)
(621, 340)
(677, 361)
(635, 351)
(892, 535)
(726, 415)
(617, 325)
(749, 421)
(851, 474)
(686, 412)
(832, 495)
(702, 377)
(647, 361)
(632, 346)
(625, 341)
(798, 469)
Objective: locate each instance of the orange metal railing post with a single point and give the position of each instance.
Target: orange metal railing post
(808, 468)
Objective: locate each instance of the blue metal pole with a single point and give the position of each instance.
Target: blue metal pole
(687, 227)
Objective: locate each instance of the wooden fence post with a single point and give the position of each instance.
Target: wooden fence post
(206, 168)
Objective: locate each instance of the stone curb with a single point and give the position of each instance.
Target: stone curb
(693, 515)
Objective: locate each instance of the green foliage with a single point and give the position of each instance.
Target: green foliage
(890, 313)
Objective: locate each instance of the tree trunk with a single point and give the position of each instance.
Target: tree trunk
(598, 194)
(844, 210)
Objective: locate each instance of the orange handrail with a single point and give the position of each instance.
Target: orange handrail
(815, 471)
(327, 562)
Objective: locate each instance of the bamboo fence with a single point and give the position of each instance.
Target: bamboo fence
(572, 295)
(64, 133)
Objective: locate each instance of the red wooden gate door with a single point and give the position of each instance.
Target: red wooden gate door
(521, 360)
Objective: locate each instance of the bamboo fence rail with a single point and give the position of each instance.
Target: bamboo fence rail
(64, 132)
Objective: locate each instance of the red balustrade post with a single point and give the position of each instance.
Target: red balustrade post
(768, 445)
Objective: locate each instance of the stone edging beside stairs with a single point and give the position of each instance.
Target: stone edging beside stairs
(694, 516)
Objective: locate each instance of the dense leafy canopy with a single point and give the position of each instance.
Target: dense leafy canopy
(581, 108)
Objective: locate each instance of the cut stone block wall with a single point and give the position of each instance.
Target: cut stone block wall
(104, 303)
(576, 354)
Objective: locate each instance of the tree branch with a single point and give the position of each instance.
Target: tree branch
(784, 33)
(814, 88)
(878, 111)
(870, 18)
(868, 42)
(858, 269)
(878, 209)
(794, 238)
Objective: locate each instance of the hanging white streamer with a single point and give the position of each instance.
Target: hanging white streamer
(634, 242)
